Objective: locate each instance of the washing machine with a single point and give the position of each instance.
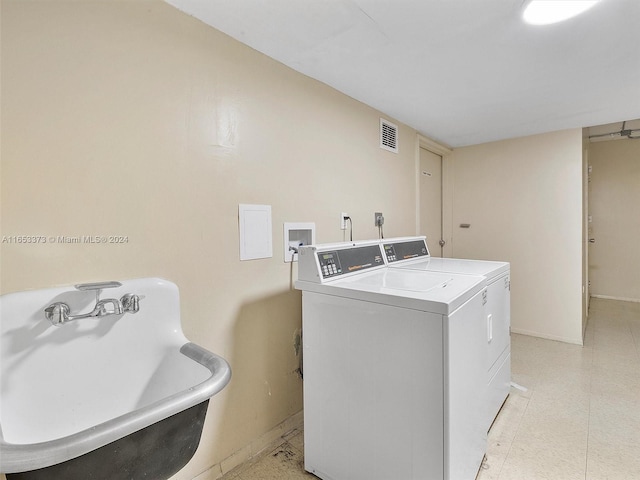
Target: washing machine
(413, 253)
(393, 367)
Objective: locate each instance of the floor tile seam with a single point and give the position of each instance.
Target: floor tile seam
(290, 446)
(617, 443)
(249, 463)
(259, 457)
(589, 420)
(300, 451)
(636, 342)
(613, 339)
(515, 434)
(607, 334)
(608, 344)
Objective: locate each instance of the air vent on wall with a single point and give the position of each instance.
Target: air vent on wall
(388, 136)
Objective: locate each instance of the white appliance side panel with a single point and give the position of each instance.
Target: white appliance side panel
(499, 307)
(499, 387)
(465, 401)
(373, 390)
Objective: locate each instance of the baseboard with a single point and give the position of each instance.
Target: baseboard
(530, 333)
(254, 449)
(620, 299)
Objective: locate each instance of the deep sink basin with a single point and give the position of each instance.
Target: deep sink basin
(68, 390)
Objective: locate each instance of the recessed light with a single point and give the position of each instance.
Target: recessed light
(545, 12)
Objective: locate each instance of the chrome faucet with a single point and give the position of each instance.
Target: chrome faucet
(130, 303)
(59, 312)
(101, 308)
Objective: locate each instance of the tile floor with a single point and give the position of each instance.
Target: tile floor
(578, 419)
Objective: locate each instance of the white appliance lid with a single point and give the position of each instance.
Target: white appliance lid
(426, 291)
(412, 253)
(486, 268)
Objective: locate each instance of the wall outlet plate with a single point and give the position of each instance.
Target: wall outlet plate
(343, 220)
(378, 219)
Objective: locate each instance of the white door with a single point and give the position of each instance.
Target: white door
(431, 200)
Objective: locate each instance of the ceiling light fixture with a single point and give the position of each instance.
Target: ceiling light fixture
(545, 12)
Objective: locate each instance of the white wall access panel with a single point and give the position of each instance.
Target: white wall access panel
(254, 224)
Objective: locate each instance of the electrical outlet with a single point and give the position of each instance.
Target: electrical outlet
(379, 219)
(343, 220)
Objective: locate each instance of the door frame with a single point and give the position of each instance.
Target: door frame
(586, 233)
(447, 188)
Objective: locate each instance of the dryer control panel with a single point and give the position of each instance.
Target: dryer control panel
(405, 250)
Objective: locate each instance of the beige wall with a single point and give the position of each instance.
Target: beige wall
(523, 199)
(614, 199)
(131, 118)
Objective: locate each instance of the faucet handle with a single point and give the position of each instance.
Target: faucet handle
(57, 313)
(130, 303)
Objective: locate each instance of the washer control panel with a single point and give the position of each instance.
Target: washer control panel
(334, 263)
(405, 250)
(329, 264)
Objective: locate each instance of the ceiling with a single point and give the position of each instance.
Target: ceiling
(461, 72)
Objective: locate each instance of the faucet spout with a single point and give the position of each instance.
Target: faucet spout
(101, 307)
(100, 310)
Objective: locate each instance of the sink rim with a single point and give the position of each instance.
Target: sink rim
(16, 458)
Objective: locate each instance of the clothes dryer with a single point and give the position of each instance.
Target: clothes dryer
(393, 368)
(413, 253)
